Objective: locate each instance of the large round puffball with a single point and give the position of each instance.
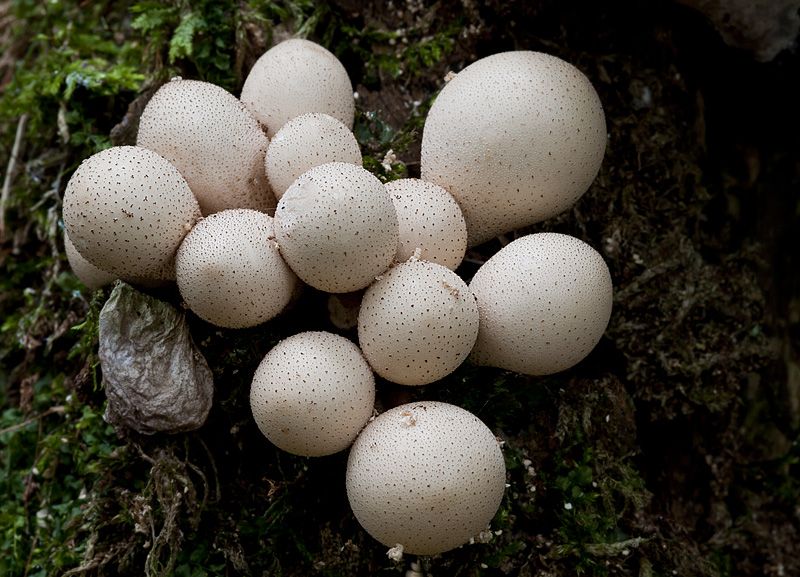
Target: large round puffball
(432, 226)
(516, 138)
(127, 209)
(213, 141)
(312, 394)
(295, 77)
(417, 323)
(230, 271)
(337, 227)
(544, 301)
(428, 476)
(305, 142)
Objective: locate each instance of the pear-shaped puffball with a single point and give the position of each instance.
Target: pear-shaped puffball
(337, 227)
(213, 141)
(127, 209)
(544, 302)
(93, 277)
(312, 394)
(295, 77)
(305, 142)
(430, 221)
(230, 271)
(516, 138)
(428, 476)
(417, 323)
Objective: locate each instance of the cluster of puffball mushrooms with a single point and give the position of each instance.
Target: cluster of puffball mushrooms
(511, 140)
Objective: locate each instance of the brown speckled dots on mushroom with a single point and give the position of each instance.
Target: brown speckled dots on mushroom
(307, 141)
(126, 210)
(337, 227)
(428, 476)
(295, 77)
(544, 302)
(312, 393)
(212, 140)
(417, 323)
(516, 138)
(230, 271)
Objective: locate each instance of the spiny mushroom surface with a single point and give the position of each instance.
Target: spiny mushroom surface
(312, 393)
(212, 139)
(230, 271)
(516, 138)
(127, 209)
(430, 220)
(295, 77)
(305, 142)
(337, 227)
(417, 323)
(428, 476)
(544, 302)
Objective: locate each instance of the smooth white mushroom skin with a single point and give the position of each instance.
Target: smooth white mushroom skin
(127, 209)
(91, 276)
(516, 138)
(230, 271)
(312, 394)
(295, 77)
(428, 476)
(417, 323)
(544, 302)
(337, 227)
(430, 221)
(212, 139)
(305, 142)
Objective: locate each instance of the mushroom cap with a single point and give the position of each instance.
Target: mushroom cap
(93, 277)
(230, 271)
(312, 394)
(417, 323)
(516, 138)
(307, 141)
(337, 227)
(294, 77)
(544, 301)
(127, 209)
(213, 141)
(430, 220)
(426, 475)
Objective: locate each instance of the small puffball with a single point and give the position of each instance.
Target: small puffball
(544, 301)
(93, 277)
(305, 142)
(295, 77)
(428, 476)
(312, 394)
(230, 271)
(337, 227)
(417, 323)
(212, 139)
(430, 220)
(516, 138)
(127, 209)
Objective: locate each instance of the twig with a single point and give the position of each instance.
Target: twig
(12, 165)
(57, 409)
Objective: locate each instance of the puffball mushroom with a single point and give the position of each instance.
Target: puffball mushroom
(337, 227)
(417, 323)
(305, 142)
(294, 77)
(428, 476)
(127, 209)
(544, 301)
(312, 393)
(516, 138)
(430, 220)
(93, 277)
(230, 271)
(215, 143)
